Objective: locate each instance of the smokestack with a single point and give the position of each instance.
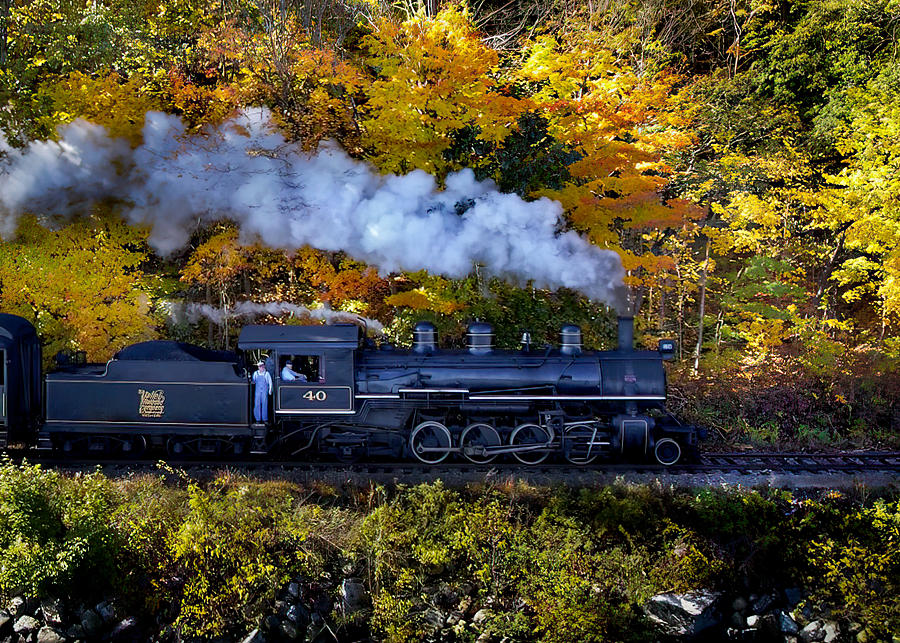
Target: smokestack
(626, 333)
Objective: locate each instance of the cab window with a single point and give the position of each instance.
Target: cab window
(2, 367)
(306, 366)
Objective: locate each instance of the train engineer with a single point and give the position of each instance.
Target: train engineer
(288, 374)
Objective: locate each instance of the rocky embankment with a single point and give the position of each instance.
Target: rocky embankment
(782, 616)
(34, 620)
(308, 610)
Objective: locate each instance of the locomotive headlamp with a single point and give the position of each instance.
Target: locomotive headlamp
(667, 349)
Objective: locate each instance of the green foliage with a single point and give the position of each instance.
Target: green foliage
(855, 566)
(550, 565)
(821, 50)
(236, 548)
(510, 309)
(525, 162)
(55, 533)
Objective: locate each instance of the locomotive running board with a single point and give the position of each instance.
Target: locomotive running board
(513, 398)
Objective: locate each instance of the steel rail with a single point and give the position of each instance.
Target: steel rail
(711, 462)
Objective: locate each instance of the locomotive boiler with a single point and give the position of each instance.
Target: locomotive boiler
(353, 400)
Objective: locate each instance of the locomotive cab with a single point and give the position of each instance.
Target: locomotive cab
(322, 358)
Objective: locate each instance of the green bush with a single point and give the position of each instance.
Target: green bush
(235, 548)
(856, 572)
(56, 533)
(550, 565)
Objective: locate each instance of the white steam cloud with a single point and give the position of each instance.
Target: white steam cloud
(193, 313)
(244, 170)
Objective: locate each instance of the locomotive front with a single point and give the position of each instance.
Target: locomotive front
(529, 404)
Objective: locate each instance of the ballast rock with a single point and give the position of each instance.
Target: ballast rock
(684, 615)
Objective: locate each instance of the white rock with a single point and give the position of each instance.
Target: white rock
(49, 635)
(814, 631)
(832, 632)
(254, 637)
(481, 616)
(16, 606)
(51, 609)
(683, 615)
(26, 624)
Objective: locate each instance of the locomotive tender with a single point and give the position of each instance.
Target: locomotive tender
(357, 401)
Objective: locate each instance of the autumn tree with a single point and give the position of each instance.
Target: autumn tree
(620, 123)
(81, 284)
(433, 78)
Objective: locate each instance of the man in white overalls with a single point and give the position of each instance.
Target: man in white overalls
(262, 383)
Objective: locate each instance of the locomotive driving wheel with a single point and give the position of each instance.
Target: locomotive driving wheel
(430, 442)
(533, 436)
(580, 444)
(475, 438)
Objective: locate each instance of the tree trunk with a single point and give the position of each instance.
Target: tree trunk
(680, 319)
(827, 269)
(224, 322)
(662, 305)
(209, 322)
(4, 30)
(720, 320)
(703, 274)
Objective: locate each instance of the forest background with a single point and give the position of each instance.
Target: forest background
(740, 155)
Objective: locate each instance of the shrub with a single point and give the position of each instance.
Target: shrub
(149, 516)
(235, 549)
(857, 572)
(56, 534)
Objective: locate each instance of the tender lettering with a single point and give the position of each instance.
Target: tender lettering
(152, 403)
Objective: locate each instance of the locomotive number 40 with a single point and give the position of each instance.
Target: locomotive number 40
(316, 396)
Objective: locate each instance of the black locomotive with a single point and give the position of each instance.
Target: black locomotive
(352, 401)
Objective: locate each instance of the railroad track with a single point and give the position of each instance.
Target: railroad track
(739, 462)
(796, 461)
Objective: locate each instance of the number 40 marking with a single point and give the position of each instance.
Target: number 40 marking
(316, 396)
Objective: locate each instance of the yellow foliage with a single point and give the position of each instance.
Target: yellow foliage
(111, 101)
(217, 260)
(435, 76)
(81, 284)
(420, 299)
(621, 123)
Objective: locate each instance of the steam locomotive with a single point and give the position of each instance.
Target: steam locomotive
(358, 401)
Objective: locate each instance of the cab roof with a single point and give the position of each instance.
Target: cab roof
(294, 337)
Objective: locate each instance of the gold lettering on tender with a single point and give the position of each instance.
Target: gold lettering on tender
(153, 403)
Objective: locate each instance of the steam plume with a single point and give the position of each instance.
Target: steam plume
(248, 309)
(245, 170)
